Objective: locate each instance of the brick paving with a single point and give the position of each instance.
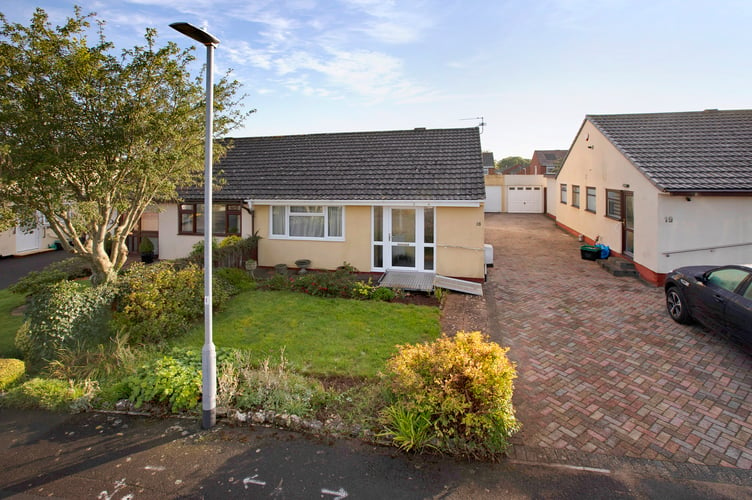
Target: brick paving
(602, 368)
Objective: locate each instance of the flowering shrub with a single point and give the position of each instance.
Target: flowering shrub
(337, 284)
(362, 289)
(342, 283)
(462, 386)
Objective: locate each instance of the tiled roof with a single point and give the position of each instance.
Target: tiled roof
(548, 157)
(419, 164)
(704, 151)
(488, 160)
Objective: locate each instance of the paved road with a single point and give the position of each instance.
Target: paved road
(13, 268)
(604, 373)
(123, 457)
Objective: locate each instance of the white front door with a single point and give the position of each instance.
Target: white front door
(403, 238)
(403, 241)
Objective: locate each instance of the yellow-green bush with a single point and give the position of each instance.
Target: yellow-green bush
(51, 394)
(160, 301)
(463, 386)
(11, 371)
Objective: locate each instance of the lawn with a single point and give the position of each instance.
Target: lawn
(319, 336)
(9, 324)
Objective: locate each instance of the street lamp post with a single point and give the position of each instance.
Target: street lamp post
(209, 352)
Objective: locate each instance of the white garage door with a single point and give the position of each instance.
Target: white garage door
(493, 199)
(525, 199)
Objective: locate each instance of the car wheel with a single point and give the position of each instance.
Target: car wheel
(676, 305)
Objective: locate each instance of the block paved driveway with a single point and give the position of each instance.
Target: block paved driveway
(602, 368)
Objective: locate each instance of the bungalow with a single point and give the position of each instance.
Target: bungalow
(402, 200)
(22, 240)
(663, 190)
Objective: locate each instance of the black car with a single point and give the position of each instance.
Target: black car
(720, 298)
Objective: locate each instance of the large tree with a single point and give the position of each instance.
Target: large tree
(90, 138)
(512, 161)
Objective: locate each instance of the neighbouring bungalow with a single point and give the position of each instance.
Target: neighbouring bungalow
(22, 240)
(663, 190)
(396, 200)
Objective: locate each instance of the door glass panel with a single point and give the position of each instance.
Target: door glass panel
(629, 242)
(629, 210)
(378, 224)
(428, 258)
(403, 225)
(378, 256)
(428, 225)
(403, 256)
(629, 224)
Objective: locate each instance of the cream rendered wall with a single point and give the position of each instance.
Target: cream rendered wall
(604, 167)
(175, 246)
(7, 242)
(355, 250)
(459, 238)
(552, 196)
(459, 242)
(703, 222)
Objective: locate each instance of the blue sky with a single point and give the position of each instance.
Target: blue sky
(531, 68)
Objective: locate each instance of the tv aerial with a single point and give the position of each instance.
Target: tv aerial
(480, 125)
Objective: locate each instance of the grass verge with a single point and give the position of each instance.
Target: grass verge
(320, 336)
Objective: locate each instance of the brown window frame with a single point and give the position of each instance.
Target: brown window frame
(230, 209)
(619, 199)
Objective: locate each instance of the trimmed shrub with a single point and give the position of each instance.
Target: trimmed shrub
(51, 394)
(384, 294)
(11, 371)
(146, 246)
(67, 269)
(462, 386)
(63, 315)
(159, 302)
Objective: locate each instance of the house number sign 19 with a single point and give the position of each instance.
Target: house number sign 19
(668, 219)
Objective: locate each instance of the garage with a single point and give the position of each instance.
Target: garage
(525, 199)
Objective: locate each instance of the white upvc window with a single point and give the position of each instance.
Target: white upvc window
(307, 222)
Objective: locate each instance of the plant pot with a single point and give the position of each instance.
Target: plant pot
(303, 265)
(147, 258)
(281, 269)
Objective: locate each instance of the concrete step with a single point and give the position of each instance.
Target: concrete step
(618, 266)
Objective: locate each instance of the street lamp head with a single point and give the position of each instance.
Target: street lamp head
(195, 33)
